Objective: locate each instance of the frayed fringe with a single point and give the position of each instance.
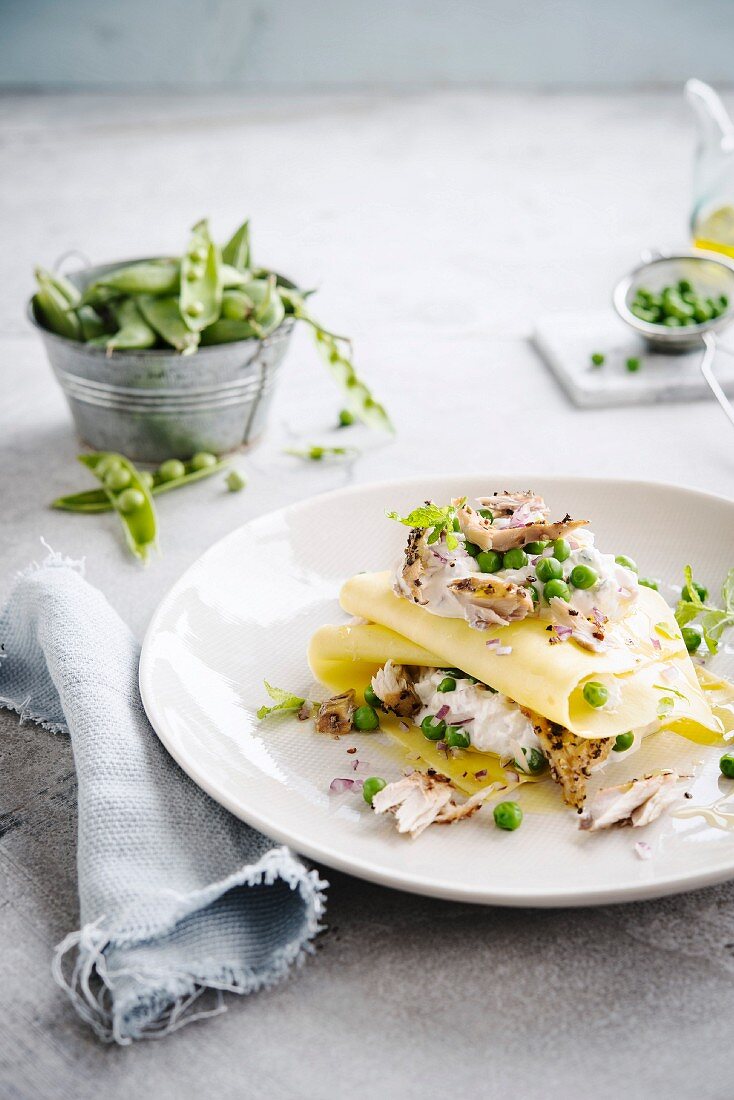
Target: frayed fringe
(166, 1000)
(26, 714)
(54, 560)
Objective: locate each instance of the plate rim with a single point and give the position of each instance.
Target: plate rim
(370, 870)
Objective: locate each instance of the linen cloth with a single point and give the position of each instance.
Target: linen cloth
(176, 895)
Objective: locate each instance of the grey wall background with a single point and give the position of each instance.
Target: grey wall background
(286, 44)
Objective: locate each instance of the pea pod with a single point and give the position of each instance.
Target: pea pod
(133, 503)
(261, 312)
(200, 296)
(237, 305)
(133, 331)
(93, 501)
(164, 316)
(51, 307)
(146, 277)
(359, 398)
(237, 249)
(91, 323)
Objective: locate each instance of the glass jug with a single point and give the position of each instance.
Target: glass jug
(712, 215)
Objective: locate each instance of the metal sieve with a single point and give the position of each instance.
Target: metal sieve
(711, 274)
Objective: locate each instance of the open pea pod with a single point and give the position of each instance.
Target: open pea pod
(164, 317)
(93, 501)
(146, 277)
(129, 496)
(200, 296)
(52, 306)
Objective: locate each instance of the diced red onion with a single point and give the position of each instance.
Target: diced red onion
(462, 721)
(339, 786)
(574, 544)
(480, 774)
(404, 726)
(563, 631)
(656, 644)
(440, 714)
(440, 557)
(624, 592)
(500, 650)
(644, 851)
(363, 764)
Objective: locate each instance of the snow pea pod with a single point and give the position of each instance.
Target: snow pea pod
(146, 277)
(164, 316)
(336, 350)
(91, 323)
(93, 501)
(237, 249)
(51, 307)
(132, 501)
(200, 296)
(132, 332)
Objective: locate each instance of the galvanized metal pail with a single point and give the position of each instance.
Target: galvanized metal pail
(157, 404)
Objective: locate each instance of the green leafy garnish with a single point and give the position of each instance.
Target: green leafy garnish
(284, 701)
(714, 620)
(434, 519)
(665, 705)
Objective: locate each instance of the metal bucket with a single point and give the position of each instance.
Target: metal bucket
(157, 404)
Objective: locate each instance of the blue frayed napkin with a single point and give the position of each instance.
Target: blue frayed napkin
(177, 897)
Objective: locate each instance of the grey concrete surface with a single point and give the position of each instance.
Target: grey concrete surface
(437, 226)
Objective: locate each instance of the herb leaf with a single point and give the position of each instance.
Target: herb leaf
(432, 518)
(714, 620)
(284, 701)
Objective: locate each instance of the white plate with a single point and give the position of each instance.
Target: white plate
(244, 612)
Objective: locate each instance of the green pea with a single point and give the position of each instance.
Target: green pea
(507, 815)
(472, 549)
(346, 418)
(365, 718)
(515, 559)
(595, 694)
(535, 547)
(672, 322)
(489, 561)
(130, 500)
(486, 513)
(628, 563)
(691, 637)
(583, 576)
(623, 741)
(371, 698)
(371, 787)
(561, 549)
(235, 481)
(171, 469)
(202, 460)
(699, 588)
(147, 479)
(684, 286)
(433, 728)
(447, 684)
(598, 358)
(648, 582)
(457, 739)
(106, 464)
(726, 764)
(632, 364)
(117, 478)
(557, 588)
(549, 569)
